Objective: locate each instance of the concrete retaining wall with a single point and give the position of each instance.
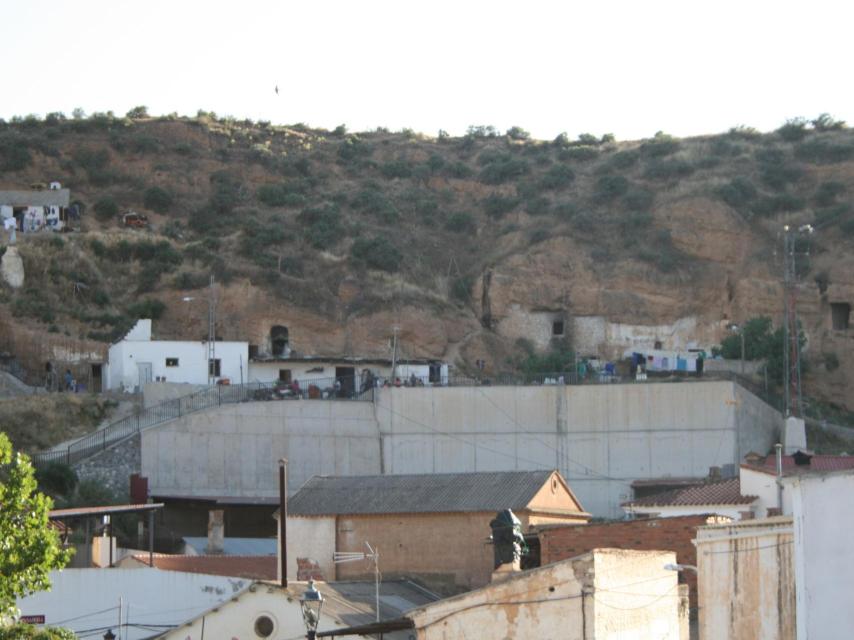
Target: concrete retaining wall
(600, 437)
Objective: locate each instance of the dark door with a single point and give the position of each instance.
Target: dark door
(95, 383)
(345, 376)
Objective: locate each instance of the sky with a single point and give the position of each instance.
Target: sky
(630, 68)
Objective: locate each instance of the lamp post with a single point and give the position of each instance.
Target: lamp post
(312, 603)
(109, 635)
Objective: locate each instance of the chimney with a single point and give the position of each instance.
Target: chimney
(216, 532)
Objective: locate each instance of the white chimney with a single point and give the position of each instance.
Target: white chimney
(216, 532)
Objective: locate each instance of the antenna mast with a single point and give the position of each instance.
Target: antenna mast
(791, 329)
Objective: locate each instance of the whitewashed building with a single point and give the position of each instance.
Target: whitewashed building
(137, 359)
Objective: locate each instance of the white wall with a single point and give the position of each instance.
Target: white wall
(324, 371)
(312, 538)
(728, 510)
(85, 599)
(823, 514)
(607, 594)
(237, 618)
(192, 361)
(745, 585)
(234, 450)
(764, 485)
(600, 437)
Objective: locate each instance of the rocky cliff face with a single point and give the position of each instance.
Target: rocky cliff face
(475, 248)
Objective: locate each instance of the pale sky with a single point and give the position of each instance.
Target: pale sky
(630, 68)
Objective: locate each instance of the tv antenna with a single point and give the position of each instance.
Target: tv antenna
(340, 557)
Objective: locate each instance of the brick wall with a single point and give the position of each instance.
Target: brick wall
(655, 534)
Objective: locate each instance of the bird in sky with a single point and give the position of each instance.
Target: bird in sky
(277, 89)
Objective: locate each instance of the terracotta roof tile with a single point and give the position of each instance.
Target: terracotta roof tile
(250, 567)
(817, 462)
(708, 493)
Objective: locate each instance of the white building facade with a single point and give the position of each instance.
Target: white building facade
(137, 359)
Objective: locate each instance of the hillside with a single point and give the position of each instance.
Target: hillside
(472, 246)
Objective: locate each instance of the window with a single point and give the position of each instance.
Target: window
(171, 362)
(285, 376)
(839, 314)
(557, 328)
(214, 368)
(253, 351)
(279, 340)
(264, 626)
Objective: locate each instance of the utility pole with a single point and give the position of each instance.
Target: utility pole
(791, 332)
(212, 334)
(283, 521)
(394, 329)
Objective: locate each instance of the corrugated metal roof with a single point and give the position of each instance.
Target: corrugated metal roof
(77, 512)
(422, 493)
(41, 198)
(236, 546)
(710, 493)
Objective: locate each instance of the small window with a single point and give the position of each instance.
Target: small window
(253, 351)
(214, 368)
(171, 362)
(264, 626)
(557, 328)
(285, 376)
(839, 314)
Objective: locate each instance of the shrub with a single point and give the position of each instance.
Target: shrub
(22, 631)
(565, 210)
(396, 169)
(775, 170)
(827, 192)
(353, 148)
(661, 145)
(539, 235)
(557, 177)
(818, 151)
(190, 280)
(377, 253)
(829, 215)
(831, 361)
(496, 206)
(372, 201)
(225, 194)
(461, 288)
(148, 308)
(738, 193)
(635, 221)
(784, 202)
(499, 168)
(793, 130)
(578, 154)
(57, 479)
(105, 209)
(14, 154)
(638, 199)
(481, 131)
(609, 187)
(539, 205)
(518, 133)
(668, 169)
(157, 199)
(322, 225)
(460, 170)
(461, 222)
(824, 122)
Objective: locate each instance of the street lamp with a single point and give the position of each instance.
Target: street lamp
(109, 635)
(312, 603)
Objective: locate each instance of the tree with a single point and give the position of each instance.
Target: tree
(29, 548)
(106, 208)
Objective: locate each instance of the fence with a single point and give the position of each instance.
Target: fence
(325, 389)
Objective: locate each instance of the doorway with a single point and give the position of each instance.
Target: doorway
(346, 377)
(144, 370)
(95, 378)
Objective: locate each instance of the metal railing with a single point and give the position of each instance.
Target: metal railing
(324, 389)
(340, 388)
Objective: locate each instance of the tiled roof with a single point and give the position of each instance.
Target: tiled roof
(818, 462)
(422, 493)
(709, 493)
(251, 567)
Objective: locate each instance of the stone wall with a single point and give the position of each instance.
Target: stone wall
(113, 467)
